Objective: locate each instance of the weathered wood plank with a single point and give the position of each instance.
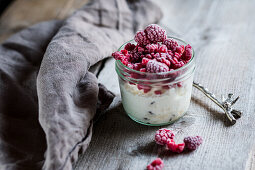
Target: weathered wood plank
(23, 13)
(223, 41)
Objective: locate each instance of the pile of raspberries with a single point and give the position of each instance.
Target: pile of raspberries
(154, 52)
(166, 137)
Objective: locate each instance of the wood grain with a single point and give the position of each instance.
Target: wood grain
(23, 13)
(222, 33)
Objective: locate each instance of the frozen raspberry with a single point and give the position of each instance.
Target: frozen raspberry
(161, 57)
(125, 52)
(187, 54)
(180, 49)
(125, 62)
(145, 61)
(117, 55)
(168, 56)
(152, 48)
(157, 164)
(143, 69)
(171, 44)
(193, 142)
(130, 66)
(155, 33)
(163, 135)
(167, 62)
(137, 66)
(141, 39)
(162, 49)
(135, 58)
(154, 66)
(170, 52)
(140, 49)
(172, 146)
(185, 61)
(177, 55)
(148, 56)
(178, 65)
(157, 56)
(129, 47)
(173, 60)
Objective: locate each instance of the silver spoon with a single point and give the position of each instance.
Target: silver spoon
(225, 104)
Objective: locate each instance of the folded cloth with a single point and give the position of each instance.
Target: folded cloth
(44, 74)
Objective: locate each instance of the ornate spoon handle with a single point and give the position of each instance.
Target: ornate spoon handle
(225, 104)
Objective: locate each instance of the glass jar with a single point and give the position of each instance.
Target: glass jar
(156, 99)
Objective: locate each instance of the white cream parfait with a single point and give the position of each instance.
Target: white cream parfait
(156, 99)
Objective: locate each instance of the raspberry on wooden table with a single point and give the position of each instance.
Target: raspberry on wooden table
(177, 148)
(192, 143)
(163, 135)
(157, 164)
(155, 33)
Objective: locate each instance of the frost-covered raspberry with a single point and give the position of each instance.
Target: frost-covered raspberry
(155, 33)
(180, 49)
(187, 54)
(154, 66)
(143, 69)
(172, 146)
(117, 55)
(163, 135)
(173, 60)
(179, 64)
(193, 142)
(129, 47)
(140, 49)
(163, 49)
(149, 56)
(167, 62)
(145, 61)
(177, 55)
(140, 38)
(152, 48)
(130, 66)
(137, 66)
(135, 57)
(170, 53)
(171, 44)
(157, 164)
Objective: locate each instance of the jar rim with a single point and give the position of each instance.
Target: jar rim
(161, 73)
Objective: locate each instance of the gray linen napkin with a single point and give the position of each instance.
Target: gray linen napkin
(44, 73)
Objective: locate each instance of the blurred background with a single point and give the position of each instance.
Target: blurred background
(18, 14)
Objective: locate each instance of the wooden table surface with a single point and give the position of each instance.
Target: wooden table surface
(223, 35)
